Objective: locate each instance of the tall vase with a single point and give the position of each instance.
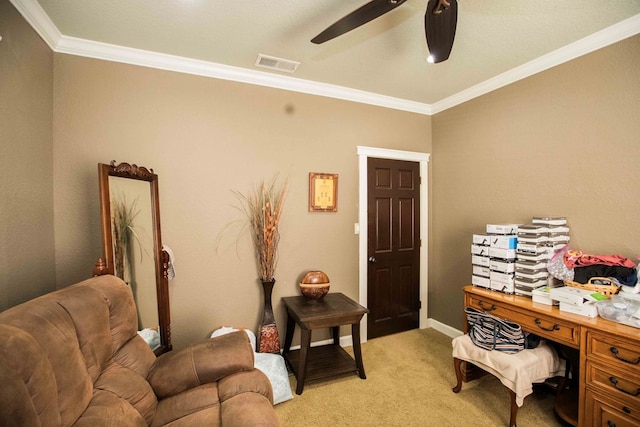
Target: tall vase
(268, 338)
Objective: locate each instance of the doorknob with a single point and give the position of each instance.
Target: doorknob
(372, 259)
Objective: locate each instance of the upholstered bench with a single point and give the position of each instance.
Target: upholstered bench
(518, 371)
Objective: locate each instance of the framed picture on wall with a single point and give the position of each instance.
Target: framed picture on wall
(323, 192)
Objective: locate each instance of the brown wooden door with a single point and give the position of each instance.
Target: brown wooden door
(393, 288)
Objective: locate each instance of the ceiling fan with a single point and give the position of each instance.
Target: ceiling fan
(440, 22)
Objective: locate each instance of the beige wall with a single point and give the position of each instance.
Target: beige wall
(27, 267)
(204, 138)
(563, 142)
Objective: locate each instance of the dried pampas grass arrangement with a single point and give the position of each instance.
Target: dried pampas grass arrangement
(263, 208)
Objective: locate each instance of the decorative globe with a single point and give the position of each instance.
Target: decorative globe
(315, 285)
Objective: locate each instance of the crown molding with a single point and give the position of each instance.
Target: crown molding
(38, 19)
(615, 33)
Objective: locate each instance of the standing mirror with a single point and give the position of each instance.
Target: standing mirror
(132, 245)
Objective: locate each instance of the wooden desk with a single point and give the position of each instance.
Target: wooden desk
(609, 376)
(312, 363)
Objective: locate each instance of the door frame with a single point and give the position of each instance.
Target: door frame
(382, 153)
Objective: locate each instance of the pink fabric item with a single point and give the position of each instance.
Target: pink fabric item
(575, 258)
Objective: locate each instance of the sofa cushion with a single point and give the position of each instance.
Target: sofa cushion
(135, 355)
(51, 327)
(177, 371)
(123, 316)
(107, 409)
(248, 409)
(89, 313)
(182, 408)
(246, 397)
(129, 386)
(25, 371)
(244, 382)
(209, 417)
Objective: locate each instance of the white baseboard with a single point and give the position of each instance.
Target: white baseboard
(445, 329)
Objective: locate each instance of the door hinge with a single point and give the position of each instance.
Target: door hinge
(419, 305)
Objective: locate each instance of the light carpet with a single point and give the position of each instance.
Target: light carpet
(409, 380)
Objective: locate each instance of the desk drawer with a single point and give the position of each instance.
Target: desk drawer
(619, 354)
(601, 411)
(546, 326)
(621, 385)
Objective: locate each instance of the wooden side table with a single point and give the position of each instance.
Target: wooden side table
(313, 363)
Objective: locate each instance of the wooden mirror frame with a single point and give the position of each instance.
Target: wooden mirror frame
(161, 257)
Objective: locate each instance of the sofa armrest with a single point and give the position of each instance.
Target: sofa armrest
(201, 363)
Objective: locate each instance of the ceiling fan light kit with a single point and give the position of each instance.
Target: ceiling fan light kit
(440, 24)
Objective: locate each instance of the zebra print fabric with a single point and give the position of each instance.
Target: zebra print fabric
(493, 333)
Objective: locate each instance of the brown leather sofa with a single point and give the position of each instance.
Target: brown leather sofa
(73, 358)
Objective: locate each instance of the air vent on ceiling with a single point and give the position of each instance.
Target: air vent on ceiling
(278, 64)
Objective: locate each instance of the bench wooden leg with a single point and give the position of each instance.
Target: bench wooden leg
(457, 366)
(514, 409)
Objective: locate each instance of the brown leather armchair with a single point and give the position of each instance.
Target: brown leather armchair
(74, 357)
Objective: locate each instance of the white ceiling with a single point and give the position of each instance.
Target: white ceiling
(382, 63)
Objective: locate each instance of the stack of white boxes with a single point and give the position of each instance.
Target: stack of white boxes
(480, 261)
(493, 257)
(532, 255)
(557, 231)
(536, 245)
(576, 301)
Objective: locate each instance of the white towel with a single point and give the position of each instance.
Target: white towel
(171, 271)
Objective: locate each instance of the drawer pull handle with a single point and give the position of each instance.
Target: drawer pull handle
(626, 410)
(614, 381)
(614, 351)
(555, 327)
(481, 304)
(611, 423)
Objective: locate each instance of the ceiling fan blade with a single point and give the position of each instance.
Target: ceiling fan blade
(358, 17)
(440, 22)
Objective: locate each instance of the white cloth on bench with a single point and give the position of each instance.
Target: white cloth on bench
(518, 371)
